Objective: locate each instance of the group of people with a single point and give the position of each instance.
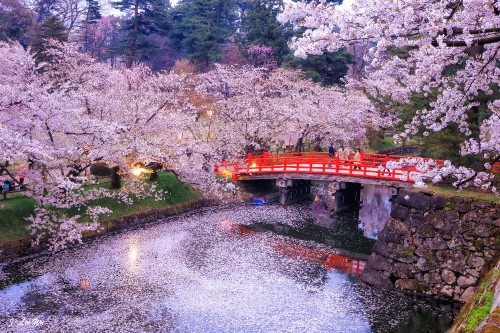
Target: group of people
(8, 185)
(343, 155)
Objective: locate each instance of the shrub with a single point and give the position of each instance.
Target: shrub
(100, 169)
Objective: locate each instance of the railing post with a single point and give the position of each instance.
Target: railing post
(249, 159)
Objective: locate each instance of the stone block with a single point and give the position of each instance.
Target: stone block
(397, 226)
(452, 216)
(427, 264)
(437, 202)
(395, 238)
(415, 220)
(376, 279)
(492, 243)
(436, 220)
(462, 207)
(382, 249)
(456, 265)
(399, 212)
(401, 270)
(482, 231)
(448, 276)
(467, 294)
(482, 204)
(443, 256)
(475, 262)
(432, 278)
(378, 263)
(436, 244)
(426, 231)
(456, 199)
(466, 281)
(496, 223)
(446, 291)
(412, 285)
(466, 226)
(471, 216)
(423, 251)
(415, 200)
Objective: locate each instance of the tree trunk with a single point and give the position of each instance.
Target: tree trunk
(115, 178)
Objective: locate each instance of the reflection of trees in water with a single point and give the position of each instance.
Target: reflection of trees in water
(309, 276)
(375, 210)
(394, 312)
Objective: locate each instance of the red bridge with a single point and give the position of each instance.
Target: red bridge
(319, 166)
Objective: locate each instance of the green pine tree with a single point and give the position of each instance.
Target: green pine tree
(202, 27)
(92, 18)
(328, 68)
(52, 29)
(259, 26)
(146, 18)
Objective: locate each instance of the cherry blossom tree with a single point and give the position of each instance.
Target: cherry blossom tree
(257, 107)
(76, 112)
(453, 52)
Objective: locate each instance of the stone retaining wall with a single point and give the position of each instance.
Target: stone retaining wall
(435, 246)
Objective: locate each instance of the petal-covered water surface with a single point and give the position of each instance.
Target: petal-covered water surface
(238, 269)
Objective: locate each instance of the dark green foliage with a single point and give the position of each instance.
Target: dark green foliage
(93, 12)
(52, 29)
(15, 21)
(44, 9)
(100, 169)
(92, 17)
(260, 27)
(148, 17)
(202, 27)
(328, 68)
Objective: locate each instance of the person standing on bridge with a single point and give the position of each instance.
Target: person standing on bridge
(331, 151)
(358, 157)
(331, 154)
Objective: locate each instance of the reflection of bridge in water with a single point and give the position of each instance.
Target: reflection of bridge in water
(320, 257)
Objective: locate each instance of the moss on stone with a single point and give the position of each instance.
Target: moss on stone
(482, 311)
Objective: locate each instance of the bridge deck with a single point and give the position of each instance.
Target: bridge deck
(319, 166)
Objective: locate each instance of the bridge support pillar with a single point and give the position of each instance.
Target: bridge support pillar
(293, 190)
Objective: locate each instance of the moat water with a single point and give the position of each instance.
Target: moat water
(237, 269)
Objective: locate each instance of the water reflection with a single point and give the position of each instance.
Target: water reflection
(193, 274)
(375, 209)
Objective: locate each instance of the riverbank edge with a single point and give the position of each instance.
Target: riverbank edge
(482, 312)
(22, 247)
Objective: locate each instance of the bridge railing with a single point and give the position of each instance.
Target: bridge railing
(370, 165)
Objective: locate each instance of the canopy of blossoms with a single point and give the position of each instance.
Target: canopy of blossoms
(453, 52)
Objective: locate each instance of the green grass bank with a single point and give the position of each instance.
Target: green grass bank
(17, 207)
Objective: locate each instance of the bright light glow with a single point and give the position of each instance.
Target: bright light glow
(138, 171)
(254, 165)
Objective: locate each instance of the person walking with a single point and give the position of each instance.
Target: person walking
(341, 153)
(357, 159)
(347, 152)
